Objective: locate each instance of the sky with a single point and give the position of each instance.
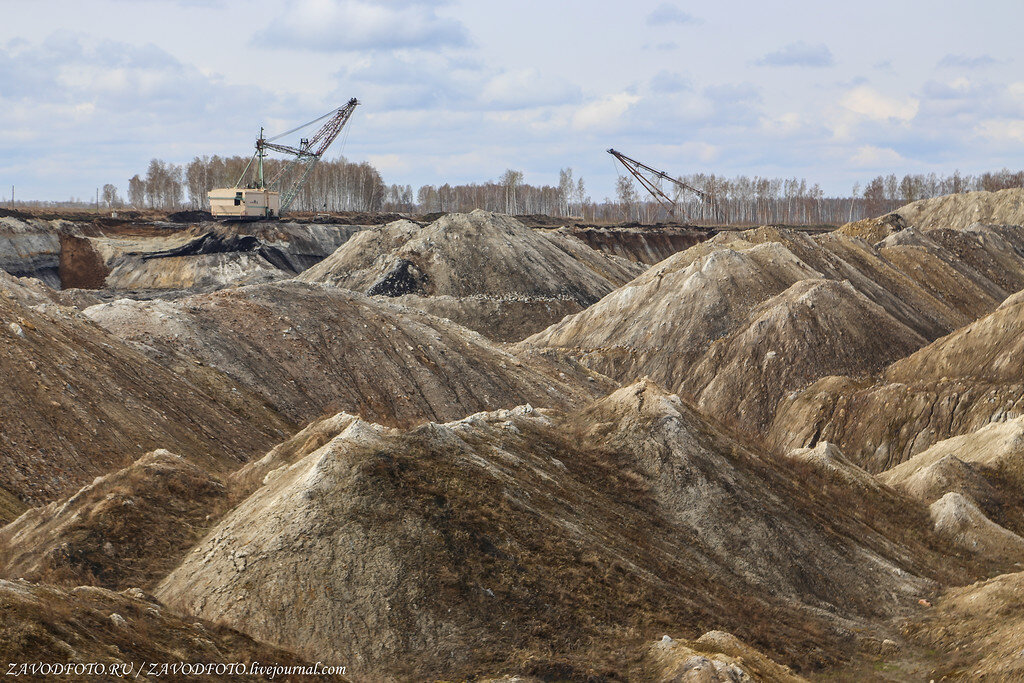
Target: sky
(459, 91)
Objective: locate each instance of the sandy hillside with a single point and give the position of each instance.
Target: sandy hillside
(78, 402)
(534, 541)
(484, 270)
(743, 319)
(311, 349)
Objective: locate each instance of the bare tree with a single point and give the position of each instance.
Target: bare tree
(110, 197)
(566, 188)
(136, 191)
(511, 180)
(625, 194)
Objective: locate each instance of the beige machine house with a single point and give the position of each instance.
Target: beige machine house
(240, 202)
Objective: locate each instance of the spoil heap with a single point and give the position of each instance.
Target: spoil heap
(45, 624)
(543, 543)
(1005, 207)
(313, 349)
(741, 320)
(78, 403)
(125, 529)
(953, 386)
(978, 631)
(483, 270)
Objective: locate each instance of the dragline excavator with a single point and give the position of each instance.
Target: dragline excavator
(651, 179)
(260, 199)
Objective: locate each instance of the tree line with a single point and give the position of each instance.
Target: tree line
(342, 185)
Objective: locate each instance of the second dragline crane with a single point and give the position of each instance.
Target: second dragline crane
(650, 178)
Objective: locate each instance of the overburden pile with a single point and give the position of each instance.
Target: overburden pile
(486, 271)
(467, 449)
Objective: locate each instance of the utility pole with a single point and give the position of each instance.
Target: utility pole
(12, 196)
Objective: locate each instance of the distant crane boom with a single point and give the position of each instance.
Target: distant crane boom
(647, 175)
(309, 150)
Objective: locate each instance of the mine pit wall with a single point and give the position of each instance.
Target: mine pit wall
(29, 251)
(303, 246)
(80, 266)
(650, 245)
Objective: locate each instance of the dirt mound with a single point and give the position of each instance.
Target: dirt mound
(874, 230)
(715, 657)
(987, 466)
(959, 519)
(478, 255)
(999, 446)
(533, 541)
(190, 216)
(128, 528)
(45, 624)
(78, 402)
(959, 211)
(816, 327)
(690, 299)
(742, 319)
(977, 631)
(313, 349)
(829, 460)
(953, 386)
(30, 291)
(929, 482)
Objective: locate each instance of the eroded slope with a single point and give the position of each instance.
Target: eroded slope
(312, 349)
(78, 402)
(956, 385)
(742, 319)
(534, 541)
(541, 276)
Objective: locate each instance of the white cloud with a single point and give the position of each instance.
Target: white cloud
(701, 151)
(347, 25)
(527, 88)
(670, 82)
(116, 105)
(869, 156)
(871, 104)
(966, 62)
(603, 113)
(667, 14)
(1004, 130)
(389, 163)
(799, 54)
(784, 124)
